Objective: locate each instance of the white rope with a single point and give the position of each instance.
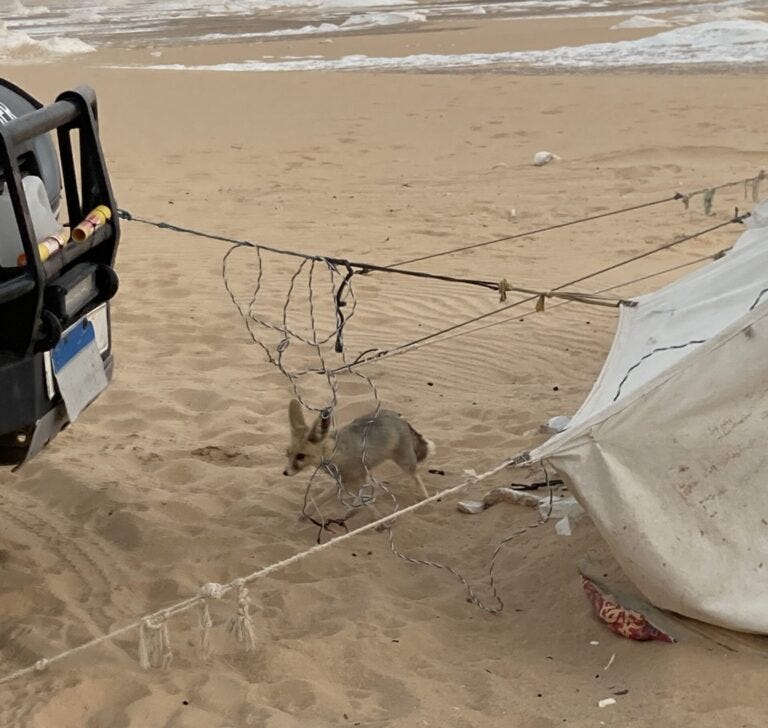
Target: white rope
(154, 642)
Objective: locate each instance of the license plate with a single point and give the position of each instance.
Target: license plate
(78, 367)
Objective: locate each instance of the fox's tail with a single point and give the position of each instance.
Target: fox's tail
(421, 446)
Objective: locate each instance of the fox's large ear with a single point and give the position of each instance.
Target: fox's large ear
(296, 416)
(320, 427)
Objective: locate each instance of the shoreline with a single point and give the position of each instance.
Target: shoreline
(448, 41)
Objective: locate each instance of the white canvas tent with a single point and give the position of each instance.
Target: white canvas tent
(669, 452)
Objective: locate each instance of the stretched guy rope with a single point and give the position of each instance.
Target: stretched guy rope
(417, 343)
(685, 198)
(365, 267)
(219, 590)
(524, 315)
(538, 231)
(503, 286)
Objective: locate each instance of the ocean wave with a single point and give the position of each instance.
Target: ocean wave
(363, 21)
(727, 42)
(153, 22)
(640, 22)
(17, 9)
(704, 14)
(718, 12)
(18, 47)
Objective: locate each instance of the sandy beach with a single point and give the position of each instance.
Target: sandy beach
(173, 478)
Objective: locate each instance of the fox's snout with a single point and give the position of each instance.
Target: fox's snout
(307, 446)
(297, 461)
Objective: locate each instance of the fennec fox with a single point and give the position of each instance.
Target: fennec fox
(389, 437)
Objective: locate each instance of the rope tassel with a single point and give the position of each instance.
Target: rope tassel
(206, 623)
(709, 197)
(503, 288)
(154, 643)
(242, 623)
(209, 590)
(756, 185)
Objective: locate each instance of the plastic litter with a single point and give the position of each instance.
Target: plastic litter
(563, 527)
(556, 424)
(542, 158)
(562, 507)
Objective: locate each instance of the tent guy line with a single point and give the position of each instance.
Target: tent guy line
(685, 198)
(502, 286)
(155, 621)
(433, 337)
(538, 231)
(523, 316)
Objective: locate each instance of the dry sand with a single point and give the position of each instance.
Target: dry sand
(173, 478)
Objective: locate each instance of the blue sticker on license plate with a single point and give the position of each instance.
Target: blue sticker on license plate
(78, 368)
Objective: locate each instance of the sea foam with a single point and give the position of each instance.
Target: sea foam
(727, 42)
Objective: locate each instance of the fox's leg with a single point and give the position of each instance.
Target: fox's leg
(377, 515)
(354, 480)
(420, 483)
(410, 469)
(405, 458)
